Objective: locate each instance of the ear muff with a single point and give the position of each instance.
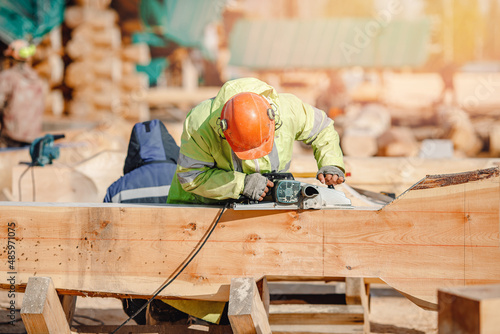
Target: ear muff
(271, 114)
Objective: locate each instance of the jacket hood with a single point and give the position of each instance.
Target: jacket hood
(233, 87)
(150, 142)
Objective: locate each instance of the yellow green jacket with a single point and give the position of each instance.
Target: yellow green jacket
(209, 172)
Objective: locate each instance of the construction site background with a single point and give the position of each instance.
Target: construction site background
(416, 82)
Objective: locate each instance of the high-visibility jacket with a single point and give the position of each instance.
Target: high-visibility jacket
(208, 171)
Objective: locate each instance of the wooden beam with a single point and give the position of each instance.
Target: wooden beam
(264, 293)
(317, 329)
(442, 232)
(246, 311)
(68, 304)
(153, 329)
(42, 311)
(308, 314)
(471, 309)
(357, 293)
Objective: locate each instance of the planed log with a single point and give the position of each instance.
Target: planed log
(79, 74)
(51, 68)
(137, 53)
(54, 103)
(87, 73)
(74, 16)
(495, 140)
(460, 130)
(135, 81)
(99, 4)
(109, 68)
(397, 142)
(94, 242)
(363, 127)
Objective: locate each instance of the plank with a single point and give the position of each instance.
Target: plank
(246, 311)
(317, 329)
(42, 311)
(443, 232)
(469, 309)
(307, 314)
(160, 329)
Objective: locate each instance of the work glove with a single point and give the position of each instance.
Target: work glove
(330, 175)
(256, 186)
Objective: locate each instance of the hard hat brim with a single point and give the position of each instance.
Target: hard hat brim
(258, 152)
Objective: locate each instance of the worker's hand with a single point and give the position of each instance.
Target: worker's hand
(256, 186)
(330, 175)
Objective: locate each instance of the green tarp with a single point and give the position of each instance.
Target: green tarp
(29, 19)
(184, 22)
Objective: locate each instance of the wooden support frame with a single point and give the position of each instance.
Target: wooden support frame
(156, 329)
(68, 303)
(246, 311)
(42, 311)
(357, 292)
(443, 232)
(472, 309)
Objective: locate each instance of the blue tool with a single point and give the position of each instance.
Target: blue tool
(43, 151)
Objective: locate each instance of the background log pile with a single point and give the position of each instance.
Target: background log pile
(102, 72)
(48, 63)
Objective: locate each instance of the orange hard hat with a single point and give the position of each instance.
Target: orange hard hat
(247, 121)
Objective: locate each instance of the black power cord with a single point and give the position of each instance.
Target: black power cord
(178, 273)
(30, 166)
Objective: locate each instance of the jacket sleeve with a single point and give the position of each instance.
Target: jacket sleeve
(313, 127)
(197, 171)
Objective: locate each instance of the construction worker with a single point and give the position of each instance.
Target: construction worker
(246, 130)
(22, 99)
(147, 174)
(149, 166)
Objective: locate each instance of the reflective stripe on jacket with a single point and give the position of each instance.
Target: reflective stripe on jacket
(149, 167)
(209, 172)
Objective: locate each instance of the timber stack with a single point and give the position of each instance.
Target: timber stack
(49, 64)
(103, 72)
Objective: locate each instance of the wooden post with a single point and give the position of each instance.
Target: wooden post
(472, 309)
(264, 293)
(246, 311)
(42, 311)
(356, 293)
(68, 303)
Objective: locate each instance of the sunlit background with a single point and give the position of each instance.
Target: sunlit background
(406, 79)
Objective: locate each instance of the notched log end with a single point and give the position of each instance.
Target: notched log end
(444, 180)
